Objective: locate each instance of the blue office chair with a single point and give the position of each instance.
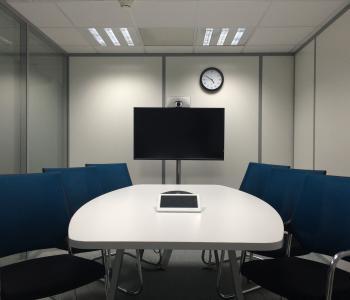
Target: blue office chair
(321, 224)
(34, 216)
(283, 192)
(256, 178)
(112, 176)
(80, 184)
(254, 182)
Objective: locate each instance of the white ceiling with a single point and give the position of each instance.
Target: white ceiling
(163, 26)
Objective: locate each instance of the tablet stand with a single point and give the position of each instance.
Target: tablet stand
(176, 192)
(178, 171)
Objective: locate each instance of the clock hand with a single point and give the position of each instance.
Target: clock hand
(209, 78)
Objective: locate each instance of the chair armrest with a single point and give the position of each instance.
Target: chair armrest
(288, 222)
(69, 248)
(0, 285)
(289, 243)
(331, 271)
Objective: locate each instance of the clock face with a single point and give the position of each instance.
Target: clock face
(211, 79)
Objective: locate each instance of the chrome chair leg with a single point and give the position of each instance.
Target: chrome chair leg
(139, 271)
(209, 264)
(217, 260)
(218, 278)
(106, 263)
(243, 257)
(75, 294)
(155, 265)
(166, 258)
(115, 272)
(235, 272)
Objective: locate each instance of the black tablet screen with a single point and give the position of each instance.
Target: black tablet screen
(178, 201)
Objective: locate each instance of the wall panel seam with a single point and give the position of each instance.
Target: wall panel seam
(68, 109)
(163, 105)
(314, 109)
(260, 109)
(293, 120)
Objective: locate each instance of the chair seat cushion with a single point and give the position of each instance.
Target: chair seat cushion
(47, 276)
(296, 278)
(295, 250)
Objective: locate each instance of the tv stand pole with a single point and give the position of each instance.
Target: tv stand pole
(178, 171)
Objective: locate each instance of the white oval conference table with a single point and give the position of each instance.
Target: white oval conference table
(127, 219)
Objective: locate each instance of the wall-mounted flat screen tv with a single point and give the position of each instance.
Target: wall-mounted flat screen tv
(179, 133)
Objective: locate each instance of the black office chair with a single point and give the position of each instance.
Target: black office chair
(81, 185)
(34, 216)
(321, 223)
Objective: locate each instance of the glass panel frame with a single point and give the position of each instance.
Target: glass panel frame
(24, 88)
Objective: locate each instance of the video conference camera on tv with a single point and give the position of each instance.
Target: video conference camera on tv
(178, 103)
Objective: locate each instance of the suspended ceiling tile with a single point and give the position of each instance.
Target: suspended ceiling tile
(167, 13)
(218, 49)
(66, 36)
(168, 49)
(279, 35)
(167, 36)
(300, 13)
(230, 13)
(42, 14)
(112, 49)
(267, 49)
(79, 49)
(96, 13)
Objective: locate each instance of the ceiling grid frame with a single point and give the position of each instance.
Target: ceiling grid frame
(325, 11)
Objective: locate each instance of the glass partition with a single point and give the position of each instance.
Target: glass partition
(33, 98)
(10, 94)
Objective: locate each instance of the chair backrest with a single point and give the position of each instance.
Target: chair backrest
(321, 221)
(256, 178)
(113, 176)
(283, 189)
(33, 213)
(80, 184)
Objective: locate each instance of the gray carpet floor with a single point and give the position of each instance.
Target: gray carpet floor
(184, 279)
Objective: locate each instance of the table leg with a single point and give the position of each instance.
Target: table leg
(166, 258)
(116, 266)
(235, 274)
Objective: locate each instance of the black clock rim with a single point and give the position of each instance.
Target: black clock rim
(217, 70)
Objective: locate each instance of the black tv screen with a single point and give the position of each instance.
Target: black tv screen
(179, 133)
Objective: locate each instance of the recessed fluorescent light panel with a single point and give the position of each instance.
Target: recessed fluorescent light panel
(97, 37)
(127, 36)
(207, 36)
(238, 36)
(112, 36)
(222, 37)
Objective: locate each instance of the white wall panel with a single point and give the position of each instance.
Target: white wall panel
(239, 96)
(304, 108)
(103, 93)
(333, 98)
(277, 110)
(46, 112)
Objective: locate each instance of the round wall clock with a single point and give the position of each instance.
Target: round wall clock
(211, 79)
